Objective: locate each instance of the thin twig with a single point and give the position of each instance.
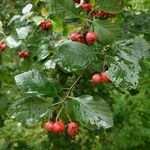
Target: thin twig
(61, 103)
(59, 112)
(71, 89)
(68, 116)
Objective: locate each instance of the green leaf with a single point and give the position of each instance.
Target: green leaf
(23, 32)
(50, 64)
(27, 8)
(125, 72)
(92, 2)
(132, 50)
(57, 25)
(63, 8)
(14, 18)
(12, 43)
(26, 16)
(74, 56)
(29, 110)
(112, 6)
(32, 82)
(92, 112)
(43, 52)
(37, 20)
(140, 48)
(107, 32)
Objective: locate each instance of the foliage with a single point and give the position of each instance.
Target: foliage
(54, 81)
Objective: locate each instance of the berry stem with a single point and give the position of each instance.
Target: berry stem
(68, 116)
(71, 88)
(57, 117)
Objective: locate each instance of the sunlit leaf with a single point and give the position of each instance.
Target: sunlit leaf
(27, 8)
(29, 110)
(93, 112)
(43, 11)
(74, 56)
(33, 83)
(23, 32)
(12, 43)
(57, 25)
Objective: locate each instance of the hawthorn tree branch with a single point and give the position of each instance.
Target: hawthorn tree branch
(61, 103)
(71, 89)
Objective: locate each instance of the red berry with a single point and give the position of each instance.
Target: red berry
(73, 129)
(96, 79)
(48, 126)
(23, 54)
(74, 36)
(82, 38)
(91, 37)
(86, 6)
(59, 127)
(2, 47)
(46, 25)
(101, 13)
(77, 1)
(78, 37)
(104, 77)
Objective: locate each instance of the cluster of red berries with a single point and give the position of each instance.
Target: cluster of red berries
(88, 38)
(45, 25)
(86, 6)
(59, 127)
(103, 14)
(2, 47)
(102, 77)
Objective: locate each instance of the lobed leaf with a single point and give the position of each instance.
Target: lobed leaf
(74, 56)
(32, 82)
(23, 32)
(124, 74)
(43, 52)
(27, 8)
(92, 111)
(130, 53)
(107, 32)
(29, 110)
